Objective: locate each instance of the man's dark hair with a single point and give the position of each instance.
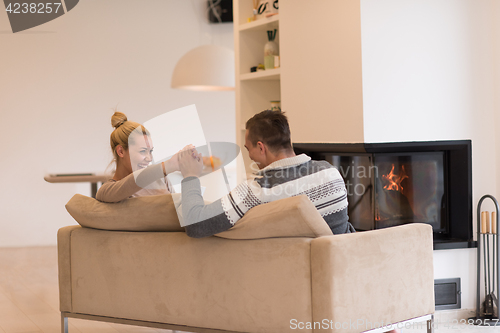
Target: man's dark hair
(271, 128)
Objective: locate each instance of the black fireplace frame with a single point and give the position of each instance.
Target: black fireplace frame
(459, 179)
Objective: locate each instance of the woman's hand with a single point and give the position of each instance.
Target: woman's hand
(172, 164)
(190, 163)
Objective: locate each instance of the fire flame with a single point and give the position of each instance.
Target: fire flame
(395, 180)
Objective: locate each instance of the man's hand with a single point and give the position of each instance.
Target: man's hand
(190, 163)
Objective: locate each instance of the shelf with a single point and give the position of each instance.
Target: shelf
(268, 75)
(266, 23)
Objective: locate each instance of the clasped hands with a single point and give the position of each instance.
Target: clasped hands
(189, 161)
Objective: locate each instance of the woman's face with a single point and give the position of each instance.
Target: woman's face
(139, 154)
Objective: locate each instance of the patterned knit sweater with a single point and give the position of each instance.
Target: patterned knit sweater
(288, 177)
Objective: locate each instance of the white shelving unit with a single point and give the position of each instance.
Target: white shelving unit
(270, 74)
(254, 90)
(263, 24)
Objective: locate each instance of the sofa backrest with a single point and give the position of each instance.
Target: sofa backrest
(291, 217)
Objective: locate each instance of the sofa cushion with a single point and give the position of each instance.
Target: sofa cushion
(148, 213)
(291, 217)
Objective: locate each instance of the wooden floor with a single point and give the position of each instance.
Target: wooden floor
(29, 296)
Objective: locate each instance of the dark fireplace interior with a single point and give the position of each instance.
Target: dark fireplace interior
(391, 184)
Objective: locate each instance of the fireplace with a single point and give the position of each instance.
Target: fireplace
(391, 184)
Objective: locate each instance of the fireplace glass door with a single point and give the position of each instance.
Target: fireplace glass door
(410, 188)
(388, 189)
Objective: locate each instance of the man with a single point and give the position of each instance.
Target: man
(282, 174)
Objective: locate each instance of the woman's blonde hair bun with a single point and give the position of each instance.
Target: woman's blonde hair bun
(118, 119)
(121, 133)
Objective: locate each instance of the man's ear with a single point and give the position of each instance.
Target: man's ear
(120, 151)
(262, 147)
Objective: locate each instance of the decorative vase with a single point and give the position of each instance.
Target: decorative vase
(270, 50)
(275, 106)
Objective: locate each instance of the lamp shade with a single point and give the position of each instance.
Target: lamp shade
(205, 68)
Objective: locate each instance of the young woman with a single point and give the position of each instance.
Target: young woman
(134, 176)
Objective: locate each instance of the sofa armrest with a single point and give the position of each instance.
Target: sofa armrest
(64, 266)
(377, 277)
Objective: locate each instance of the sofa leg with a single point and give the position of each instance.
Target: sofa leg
(430, 325)
(64, 324)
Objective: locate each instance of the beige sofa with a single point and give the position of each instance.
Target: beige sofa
(278, 270)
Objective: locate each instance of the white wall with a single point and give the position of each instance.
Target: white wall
(58, 83)
(427, 75)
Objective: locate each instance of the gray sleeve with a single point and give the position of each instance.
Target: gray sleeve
(201, 220)
(339, 222)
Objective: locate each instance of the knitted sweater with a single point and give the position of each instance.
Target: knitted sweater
(288, 177)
